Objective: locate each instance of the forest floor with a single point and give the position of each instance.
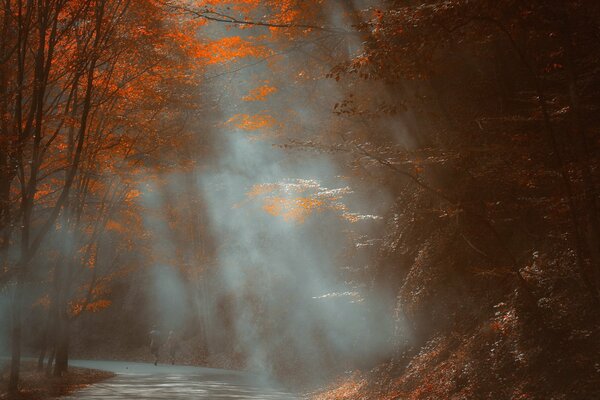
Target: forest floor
(500, 358)
(36, 385)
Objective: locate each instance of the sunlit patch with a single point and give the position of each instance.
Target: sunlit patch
(294, 209)
(255, 122)
(353, 297)
(296, 200)
(349, 388)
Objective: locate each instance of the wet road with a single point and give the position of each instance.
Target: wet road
(146, 381)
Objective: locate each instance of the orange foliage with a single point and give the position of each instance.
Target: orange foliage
(98, 305)
(43, 191)
(294, 209)
(228, 49)
(260, 93)
(132, 194)
(349, 389)
(296, 200)
(258, 190)
(115, 226)
(255, 122)
(77, 307)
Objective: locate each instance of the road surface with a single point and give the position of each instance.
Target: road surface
(146, 381)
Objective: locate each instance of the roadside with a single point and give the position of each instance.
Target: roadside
(35, 385)
(188, 353)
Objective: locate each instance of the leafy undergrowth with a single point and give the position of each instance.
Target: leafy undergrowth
(37, 386)
(504, 357)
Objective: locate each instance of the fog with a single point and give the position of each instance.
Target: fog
(278, 290)
(345, 198)
(258, 250)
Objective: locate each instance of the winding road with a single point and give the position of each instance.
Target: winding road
(146, 381)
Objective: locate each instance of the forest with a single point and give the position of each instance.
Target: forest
(356, 199)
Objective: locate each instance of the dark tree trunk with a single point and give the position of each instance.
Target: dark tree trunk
(61, 364)
(16, 336)
(50, 361)
(48, 337)
(42, 355)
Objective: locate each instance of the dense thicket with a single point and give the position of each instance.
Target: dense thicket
(492, 245)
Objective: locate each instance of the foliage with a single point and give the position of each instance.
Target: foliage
(476, 118)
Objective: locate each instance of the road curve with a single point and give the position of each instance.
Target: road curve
(146, 381)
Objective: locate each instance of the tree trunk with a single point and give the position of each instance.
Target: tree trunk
(16, 335)
(48, 334)
(42, 355)
(61, 364)
(50, 360)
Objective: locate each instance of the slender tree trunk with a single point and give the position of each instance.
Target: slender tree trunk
(17, 305)
(6, 174)
(34, 120)
(47, 336)
(43, 350)
(60, 301)
(5, 183)
(61, 364)
(52, 327)
(50, 361)
(18, 295)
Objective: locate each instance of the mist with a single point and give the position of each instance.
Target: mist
(278, 291)
(349, 199)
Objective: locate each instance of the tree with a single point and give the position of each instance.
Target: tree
(65, 107)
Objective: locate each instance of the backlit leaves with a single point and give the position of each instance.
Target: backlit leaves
(296, 200)
(260, 93)
(255, 122)
(231, 48)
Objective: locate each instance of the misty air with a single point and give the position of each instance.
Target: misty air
(300, 199)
